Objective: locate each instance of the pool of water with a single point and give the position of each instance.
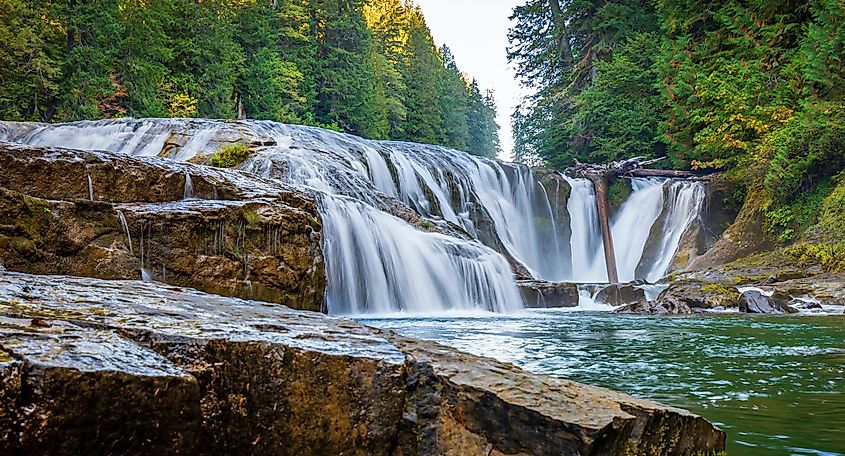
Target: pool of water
(776, 385)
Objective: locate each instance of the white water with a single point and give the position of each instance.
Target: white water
(189, 188)
(586, 241)
(379, 263)
(125, 226)
(90, 189)
(631, 227)
(685, 201)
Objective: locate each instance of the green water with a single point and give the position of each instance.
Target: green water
(776, 385)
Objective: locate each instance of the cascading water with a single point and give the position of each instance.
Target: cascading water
(378, 263)
(631, 227)
(586, 241)
(632, 224)
(685, 201)
(188, 192)
(374, 257)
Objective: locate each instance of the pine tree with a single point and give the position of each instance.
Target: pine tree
(423, 84)
(344, 71)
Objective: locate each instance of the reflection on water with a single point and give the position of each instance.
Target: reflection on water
(776, 385)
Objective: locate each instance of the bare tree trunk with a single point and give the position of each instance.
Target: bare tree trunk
(600, 184)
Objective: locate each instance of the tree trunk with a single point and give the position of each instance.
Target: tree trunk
(600, 184)
(645, 172)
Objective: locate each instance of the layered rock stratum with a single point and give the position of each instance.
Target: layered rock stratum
(125, 367)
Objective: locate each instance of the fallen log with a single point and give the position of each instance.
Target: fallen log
(646, 172)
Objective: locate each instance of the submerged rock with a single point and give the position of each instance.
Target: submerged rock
(90, 366)
(754, 301)
(544, 295)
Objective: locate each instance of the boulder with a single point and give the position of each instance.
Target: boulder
(742, 238)
(538, 294)
(697, 295)
(90, 366)
(804, 304)
(621, 294)
(659, 307)
(753, 301)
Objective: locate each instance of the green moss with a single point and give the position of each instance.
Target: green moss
(716, 289)
(618, 192)
(832, 214)
(230, 156)
(252, 218)
(426, 225)
(830, 256)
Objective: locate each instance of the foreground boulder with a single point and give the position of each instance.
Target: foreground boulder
(538, 294)
(90, 366)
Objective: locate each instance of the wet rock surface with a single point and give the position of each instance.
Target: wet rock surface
(620, 294)
(91, 366)
(234, 234)
(538, 294)
(753, 301)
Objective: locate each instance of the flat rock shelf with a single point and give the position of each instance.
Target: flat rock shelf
(124, 367)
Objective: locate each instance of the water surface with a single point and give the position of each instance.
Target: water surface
(776, 385)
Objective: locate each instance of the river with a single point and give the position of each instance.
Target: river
(776, 385)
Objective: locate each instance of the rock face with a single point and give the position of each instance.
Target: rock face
(544, 295)
(754, 301)
(250, 237)
(91, 366)
(741, 239)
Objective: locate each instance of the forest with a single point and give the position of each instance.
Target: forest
(370, 68)
(751, 88)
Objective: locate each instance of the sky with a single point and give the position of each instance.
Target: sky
(476, 32)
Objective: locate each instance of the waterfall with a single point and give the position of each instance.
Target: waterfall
(90, 189)
(189, 188)
(377, 262)
(632, 224)
(125, 226)
(586, 241)
(685, 201)
(631, 227)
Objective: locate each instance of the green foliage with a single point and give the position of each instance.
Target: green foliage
(230, 156)
(618, 192)
(830, 256)
(368, 67)
(753, 88)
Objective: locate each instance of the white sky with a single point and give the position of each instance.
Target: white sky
(476, 32)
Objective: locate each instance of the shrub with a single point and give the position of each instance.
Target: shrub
(230, 156)
(831, 256)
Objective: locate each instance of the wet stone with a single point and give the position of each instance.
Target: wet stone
(129, 367)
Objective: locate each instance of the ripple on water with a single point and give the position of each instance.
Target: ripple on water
(775, 384)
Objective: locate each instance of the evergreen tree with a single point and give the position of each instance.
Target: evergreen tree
(388, 20)
(454, 104)
(423, 84)
(481, 119)
(344, 70)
